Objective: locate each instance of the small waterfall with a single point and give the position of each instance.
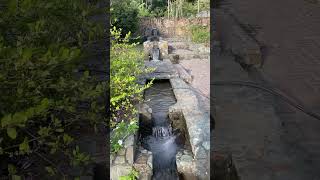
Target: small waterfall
(159, 132)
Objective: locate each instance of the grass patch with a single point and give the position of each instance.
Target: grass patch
(200, 34)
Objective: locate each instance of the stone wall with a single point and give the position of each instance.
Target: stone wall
(121, 163)
(170, 27)
(132, 155)
(197, 160)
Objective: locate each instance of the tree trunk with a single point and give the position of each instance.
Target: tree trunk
(168, 9)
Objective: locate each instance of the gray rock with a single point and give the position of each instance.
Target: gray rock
(145, 110)
(150, 161)
(119, 170)
(122, 151)
(185, 164)
(141, 164)
(130, 154)
(186, 158)
(120, 160)
(195, 141)
(187, 152)
(145, 176)
(179, 154)
(183, 74)
(174, 58)
(200, 153)
(111, 158)
(129, 141)
(206, 145)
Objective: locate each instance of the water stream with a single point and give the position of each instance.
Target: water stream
(162, 140)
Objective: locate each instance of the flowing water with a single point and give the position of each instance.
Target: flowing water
(162, 140)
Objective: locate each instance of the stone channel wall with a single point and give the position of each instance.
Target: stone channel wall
(132, 155)
(121, 163)
(170, 27)
(187, 109)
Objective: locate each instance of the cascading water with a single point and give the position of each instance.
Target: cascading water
(162, 141)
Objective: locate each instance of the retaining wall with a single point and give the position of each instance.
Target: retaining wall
(170, 27)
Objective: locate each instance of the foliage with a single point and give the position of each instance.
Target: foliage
(124, 15)
(41, 45)
(126, 66)
(142, 10)
(187, 8)
(190, 9)
(200, 34)
(133, 175)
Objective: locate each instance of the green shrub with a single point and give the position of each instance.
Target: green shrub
(124, 15)
(133, 175)
(126, 66)
(41, 45)
(200, 34)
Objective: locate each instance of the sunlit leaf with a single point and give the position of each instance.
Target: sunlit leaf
(12, 133)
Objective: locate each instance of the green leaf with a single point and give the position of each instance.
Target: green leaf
(86, 74)
(12, 133)
(67, 139)
(1, 151)
(16, 177)
(6, 120)
(12, 6)
(60, 130)
(50, 170)
(19, 118)
(65, 53)
(44, 131)
(12, 169)
(27, 54)
(24, 146)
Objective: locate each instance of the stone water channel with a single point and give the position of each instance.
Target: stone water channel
(173, 141)
(159, 137)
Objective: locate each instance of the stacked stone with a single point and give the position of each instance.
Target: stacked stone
(163, 46)
(121, 163)
(143, 164)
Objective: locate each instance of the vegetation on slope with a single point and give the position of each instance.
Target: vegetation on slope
(41, 45)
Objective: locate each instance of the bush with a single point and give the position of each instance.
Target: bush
(126, 66)
(124, 15)
(200, 34)
(41, 45)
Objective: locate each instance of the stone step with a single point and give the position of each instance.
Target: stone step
(188, 54)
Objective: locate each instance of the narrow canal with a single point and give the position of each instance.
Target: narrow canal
(161, 140)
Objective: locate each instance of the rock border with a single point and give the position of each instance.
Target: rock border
(198, 127)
